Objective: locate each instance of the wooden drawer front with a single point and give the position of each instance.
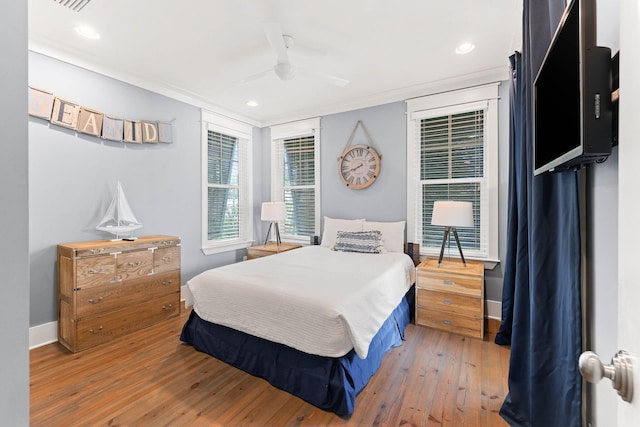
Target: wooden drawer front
(465, 285)
(95, 271)
(166, 259)
(134, 264)
(92, 251)
(470, 326)
(99, 329)
(448, 302)
(106, 298)
(257, 253)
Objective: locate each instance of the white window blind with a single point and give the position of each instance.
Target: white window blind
(451, 168)
(295, 179)
(227, 203)
(453, 156)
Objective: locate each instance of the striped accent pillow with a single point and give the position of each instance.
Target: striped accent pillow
(366, 242)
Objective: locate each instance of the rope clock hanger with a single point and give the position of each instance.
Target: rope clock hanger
(359, 165)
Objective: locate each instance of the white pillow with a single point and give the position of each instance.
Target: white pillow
(392, 234)
(332, 226)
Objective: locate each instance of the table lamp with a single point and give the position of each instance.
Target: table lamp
(273, 212)
(452, 214)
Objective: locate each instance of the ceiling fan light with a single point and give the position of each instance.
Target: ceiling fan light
(284, 71)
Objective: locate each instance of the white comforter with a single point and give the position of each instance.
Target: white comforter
(313, 299)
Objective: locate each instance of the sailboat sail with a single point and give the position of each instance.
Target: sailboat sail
(119, 218)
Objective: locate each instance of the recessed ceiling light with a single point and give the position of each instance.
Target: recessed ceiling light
(252, 103)
(87, 31)
(465, 48)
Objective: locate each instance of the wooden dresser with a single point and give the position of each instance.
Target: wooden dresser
(451, 297)
(269, 249)
(107, 289)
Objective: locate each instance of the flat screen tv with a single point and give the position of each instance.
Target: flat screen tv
(572, 95)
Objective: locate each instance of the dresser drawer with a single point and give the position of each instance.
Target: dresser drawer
(96, 330)
(134, 264)
(94, 271)
(460, 284)
(470, 326)
(166, 259)
(449, 302)
(100, 299)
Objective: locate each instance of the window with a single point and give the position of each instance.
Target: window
(452, 155)
(227, 193)
(295, 177)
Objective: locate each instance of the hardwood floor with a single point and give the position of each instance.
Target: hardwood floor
(149, 378)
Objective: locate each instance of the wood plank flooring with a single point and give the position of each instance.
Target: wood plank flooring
(149, 378)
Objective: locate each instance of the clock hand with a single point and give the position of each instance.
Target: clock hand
(357, 167)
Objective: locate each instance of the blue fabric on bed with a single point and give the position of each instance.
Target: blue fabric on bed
(326, 382)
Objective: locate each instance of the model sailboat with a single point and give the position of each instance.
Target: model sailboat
(119, 218)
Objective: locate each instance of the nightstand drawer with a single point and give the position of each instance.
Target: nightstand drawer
(464, 285)
(470, 326)
(448, 302)
(270, 248)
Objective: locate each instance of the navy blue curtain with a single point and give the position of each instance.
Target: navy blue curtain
(541, 317)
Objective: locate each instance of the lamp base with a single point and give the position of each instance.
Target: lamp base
(276, 232)
(446, 236)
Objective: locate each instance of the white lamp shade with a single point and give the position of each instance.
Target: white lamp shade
(273, 211)
(452, 214)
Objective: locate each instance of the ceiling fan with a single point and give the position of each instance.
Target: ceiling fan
(280, 43)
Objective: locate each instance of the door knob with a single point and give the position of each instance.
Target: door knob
(620, 371)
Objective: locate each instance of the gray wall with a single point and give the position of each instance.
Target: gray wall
(14, 212)
(386, 198)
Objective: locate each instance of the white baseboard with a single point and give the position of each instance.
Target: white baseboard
(494, 309)
(43, 334)
(47, 333)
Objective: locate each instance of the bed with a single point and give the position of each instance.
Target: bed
(315, 321)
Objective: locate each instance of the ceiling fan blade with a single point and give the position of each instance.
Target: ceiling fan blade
(276, 40)
(333, 80)
(254, 77)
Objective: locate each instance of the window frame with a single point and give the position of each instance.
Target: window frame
(244, 133)
(301, 128)
(448, 103)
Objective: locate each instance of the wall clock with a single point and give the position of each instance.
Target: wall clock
(359, 165)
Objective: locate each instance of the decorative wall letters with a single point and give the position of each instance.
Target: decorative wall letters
(64, 113)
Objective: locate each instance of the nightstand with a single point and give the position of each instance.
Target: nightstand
(450, 297)
(269, 249)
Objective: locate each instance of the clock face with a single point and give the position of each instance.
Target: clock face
(359, 166)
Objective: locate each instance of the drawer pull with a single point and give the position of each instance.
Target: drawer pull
(166, 259)
(135, 264)
(167, 307)
(167, 282)
(95, 271)
(100, 299)
(93, 331)
(446, 322)
(447, 282)
(447, 302)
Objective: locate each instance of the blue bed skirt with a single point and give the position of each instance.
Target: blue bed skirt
(327, 382)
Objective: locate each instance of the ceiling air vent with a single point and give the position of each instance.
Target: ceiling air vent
(75, 5)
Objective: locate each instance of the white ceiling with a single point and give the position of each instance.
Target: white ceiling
(198, 50)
